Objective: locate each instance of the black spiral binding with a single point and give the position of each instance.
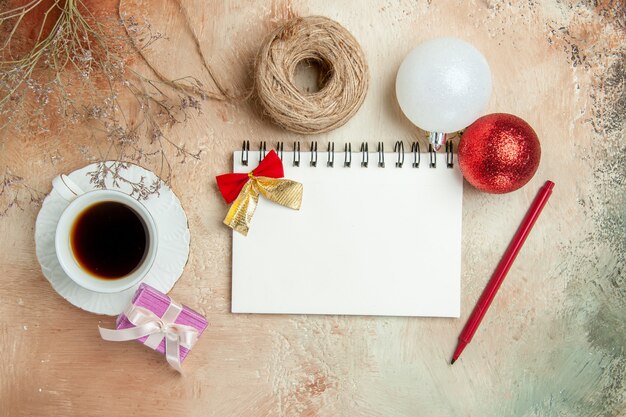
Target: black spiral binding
(313, 151)
(398, 148)
(432, 156)
(381, 155)
(262, 150)
(330, 152)
(365, 156)
(279, 150)
(296, 154)
(449, 154)
(245, 153)
(417, 156)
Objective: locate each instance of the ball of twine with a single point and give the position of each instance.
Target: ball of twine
(344, 77)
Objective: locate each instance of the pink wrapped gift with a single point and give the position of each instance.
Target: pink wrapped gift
(157, 321)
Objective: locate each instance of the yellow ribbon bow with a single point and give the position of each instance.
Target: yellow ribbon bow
(282, 191)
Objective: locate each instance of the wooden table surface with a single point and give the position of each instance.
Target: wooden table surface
(553, 342)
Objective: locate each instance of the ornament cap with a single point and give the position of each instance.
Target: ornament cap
(437, 139)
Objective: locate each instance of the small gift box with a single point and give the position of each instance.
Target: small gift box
(154, 319)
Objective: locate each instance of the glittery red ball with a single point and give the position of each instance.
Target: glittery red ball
(499, 153)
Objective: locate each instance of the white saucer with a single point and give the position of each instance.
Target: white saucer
(167, 212)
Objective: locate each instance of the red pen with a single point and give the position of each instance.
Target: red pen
(509, 256)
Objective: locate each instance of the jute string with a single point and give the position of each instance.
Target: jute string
(344, 78)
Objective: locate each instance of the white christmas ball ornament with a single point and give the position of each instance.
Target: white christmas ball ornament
(443, 85)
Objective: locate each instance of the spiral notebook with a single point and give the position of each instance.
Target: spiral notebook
(377, 234)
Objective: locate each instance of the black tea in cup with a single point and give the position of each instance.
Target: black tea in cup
(109, 240)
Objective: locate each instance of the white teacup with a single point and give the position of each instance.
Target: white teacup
(79, 202)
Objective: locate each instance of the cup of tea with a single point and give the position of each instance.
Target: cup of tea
(106, 240)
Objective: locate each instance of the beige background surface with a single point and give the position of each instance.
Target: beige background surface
(553, 342)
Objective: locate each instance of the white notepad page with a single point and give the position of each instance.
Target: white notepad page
(366, 241)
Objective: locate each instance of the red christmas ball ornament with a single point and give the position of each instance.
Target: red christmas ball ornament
(499, 153)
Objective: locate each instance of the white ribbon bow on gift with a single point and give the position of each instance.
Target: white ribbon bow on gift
(156, 328)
